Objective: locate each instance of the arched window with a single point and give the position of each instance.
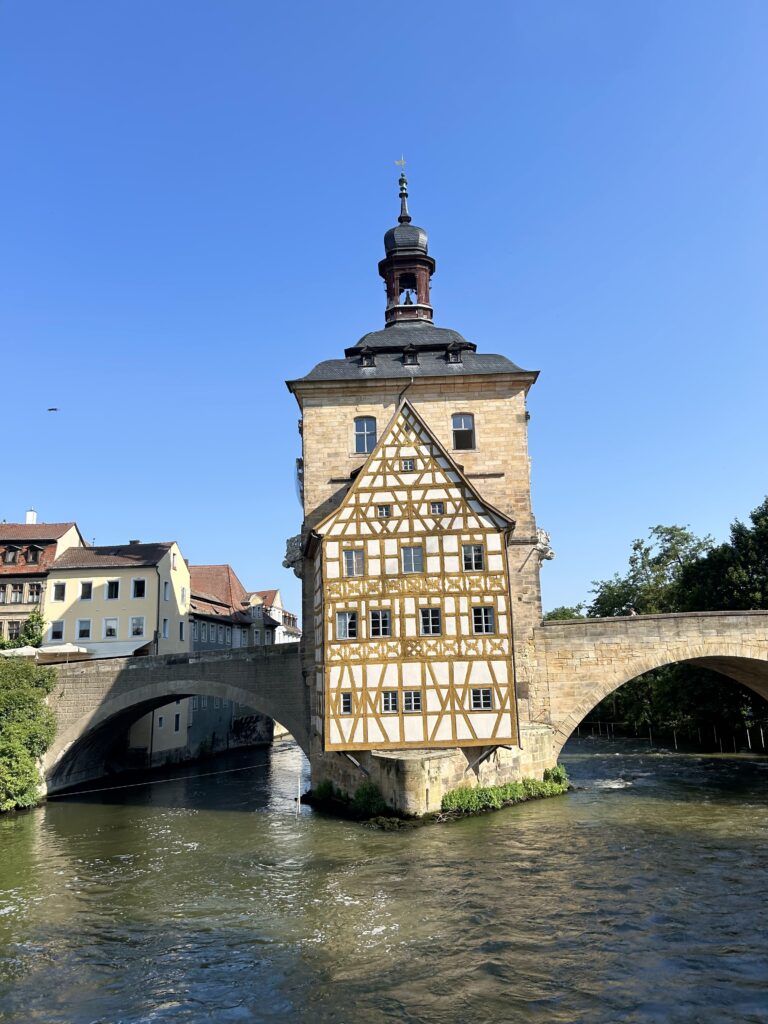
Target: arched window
(365, 434)
(463, 431)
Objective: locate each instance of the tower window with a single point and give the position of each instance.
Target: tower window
(365, 434)
(367, 357)
(463, 431)
(410, 357)
(454, 355)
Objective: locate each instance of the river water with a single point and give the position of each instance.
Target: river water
(640, 897)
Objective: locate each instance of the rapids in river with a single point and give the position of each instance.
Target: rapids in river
(642, 896)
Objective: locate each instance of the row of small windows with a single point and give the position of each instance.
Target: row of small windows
(462, 425)
(412, 559)
(138, 590)
(480, 699)
(14, 593)
(201, 703)
(430, 622)
(210, 632)
(110, 629)
(12, 552)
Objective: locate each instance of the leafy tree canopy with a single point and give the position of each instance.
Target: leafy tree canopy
(27, 728)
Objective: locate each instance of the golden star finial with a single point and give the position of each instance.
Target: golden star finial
(401, 162)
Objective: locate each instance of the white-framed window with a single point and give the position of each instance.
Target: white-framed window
(109, 630)
(35, 593)
(221, 634)
(56, 631)
(83, 629)
(483, 620)
(346, 703)
(86, 590)
(3, 593)
(216, 703)
(33, 555)
(437, 508)
(473, 557)
(112, 590)
(203, 702)
(177, 722)
(381, 622)
(244, 637)
(389, 701)
(383, 511)
(17, 593)
(166, 591)
(194, 631)
(11, 554)
(195, 703)
(229, 634)
(183, 596)
(256, 636)
(411, 701)
(138, 588)
(482, 699)
(430, 620)
(14, 629)
(365, 434)
(160, 721)
(408, 465)
(463, 424)
(165, 629)
(137, 625)
(204, 632)
(354, 562)
(413, 558)
(268, 636)
(59, 591)
(173, 560)
(181, 630)
(346, 625)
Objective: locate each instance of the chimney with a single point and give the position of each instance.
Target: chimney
(134, 542)
(31, 517)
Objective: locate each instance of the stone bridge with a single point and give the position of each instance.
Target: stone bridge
(95, 700)
(565, 669)
(574, 664)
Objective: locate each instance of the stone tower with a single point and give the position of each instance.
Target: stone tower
(420, 554)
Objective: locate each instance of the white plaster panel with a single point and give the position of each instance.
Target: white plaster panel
(411, 673)
(450, 625)
(357, 675)
(483, 723)
(410, 627)
(463, 605)
(432, 544)
(335, 734)
(391, 675)
(450, 543)
(493, 542)
(390, 547)
(441, 672)
(495, 563)
(374, 567)
(375, 735)
(414, 729)
(390, 566)
(462, 730)
(459, 672)
(500, 669)
(451, 562)
(444, 731)
(410, 606)
(332, 549)
(433, 565)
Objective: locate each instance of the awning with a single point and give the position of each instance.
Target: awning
(20, 652)
(116, 649)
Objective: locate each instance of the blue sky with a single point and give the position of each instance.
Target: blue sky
(193, 196)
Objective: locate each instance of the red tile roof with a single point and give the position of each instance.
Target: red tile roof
(219, 582)
(33, 531)
(267, 596)
(110, 556)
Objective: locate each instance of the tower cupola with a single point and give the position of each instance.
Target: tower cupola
(407, 267)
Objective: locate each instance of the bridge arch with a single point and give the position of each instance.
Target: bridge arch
(96, 701)
(741, 663)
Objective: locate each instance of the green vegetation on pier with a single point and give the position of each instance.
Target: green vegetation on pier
(27, 728)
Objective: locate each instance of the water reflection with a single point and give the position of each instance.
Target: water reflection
(209, 899)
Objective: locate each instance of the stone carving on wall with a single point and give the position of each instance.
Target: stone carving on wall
(543, 549)
(293, 556)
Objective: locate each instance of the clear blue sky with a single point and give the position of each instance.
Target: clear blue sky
(193, 196)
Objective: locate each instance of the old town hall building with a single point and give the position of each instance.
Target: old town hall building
(420, 552)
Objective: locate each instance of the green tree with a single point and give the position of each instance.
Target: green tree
(27, 728)
(565, 611)
(655, 566)
(31, 633)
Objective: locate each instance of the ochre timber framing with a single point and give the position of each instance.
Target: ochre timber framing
(412, 618)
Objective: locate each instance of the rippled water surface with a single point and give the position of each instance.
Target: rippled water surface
(642, 896)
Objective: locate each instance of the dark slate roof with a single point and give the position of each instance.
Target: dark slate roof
(430, 364)
(398, 336)
(405, 238)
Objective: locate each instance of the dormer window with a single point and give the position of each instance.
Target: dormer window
(367, 357)
(410, 356)
(11, 554)
(454, 354)
(33, 556)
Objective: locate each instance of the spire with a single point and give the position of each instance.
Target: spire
(407, 265)
(405, 217)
